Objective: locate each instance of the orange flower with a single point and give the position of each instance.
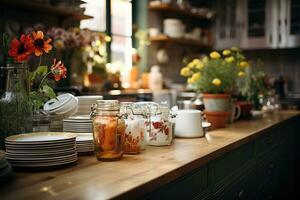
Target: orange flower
(58, 70)
(40, 45)
(22, 49)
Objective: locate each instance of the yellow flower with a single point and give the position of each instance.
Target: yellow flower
(190, 81)
(196, 61)
(229, 59)
(205, 59)
(244, 64)
(234, 49)
(226, 52)
(216, 82)
(196, 77)
(241, 74)
(215, 55)
(199, 66)
(190, 65)
(185, 72)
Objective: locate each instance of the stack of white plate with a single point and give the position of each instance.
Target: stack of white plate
(5, 168)
(84, 143)
(85, 103)
(41, 149)
(61, 107)
(78, 124)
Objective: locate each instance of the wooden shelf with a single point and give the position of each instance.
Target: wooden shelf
(182, 41)
(166, 7)
(67, 13)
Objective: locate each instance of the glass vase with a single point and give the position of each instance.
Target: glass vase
(15, 104)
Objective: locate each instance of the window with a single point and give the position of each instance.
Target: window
(119, 29)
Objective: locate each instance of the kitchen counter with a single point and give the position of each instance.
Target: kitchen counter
(138, 175)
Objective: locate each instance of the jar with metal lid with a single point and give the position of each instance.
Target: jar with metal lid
(134, 132)
(108, 130)
(161, 131)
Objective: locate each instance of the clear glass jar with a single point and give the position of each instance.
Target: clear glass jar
(161, 126)
(15, 104)
(134, 132)
(108, 130)
(143, 111)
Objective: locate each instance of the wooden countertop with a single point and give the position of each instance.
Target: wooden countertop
(137, 174)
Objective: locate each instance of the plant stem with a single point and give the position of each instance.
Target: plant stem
(43, 80)
(40, 60)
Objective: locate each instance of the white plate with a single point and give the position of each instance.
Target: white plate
(40, 137)
(41, 159)
(44, 164)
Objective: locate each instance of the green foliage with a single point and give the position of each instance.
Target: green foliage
(40, 71)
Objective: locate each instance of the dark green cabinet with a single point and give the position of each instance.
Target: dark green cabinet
(264, 168)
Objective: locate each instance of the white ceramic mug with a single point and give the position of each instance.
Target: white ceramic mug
(188, 123)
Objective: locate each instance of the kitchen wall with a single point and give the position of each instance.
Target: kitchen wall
(285, 62)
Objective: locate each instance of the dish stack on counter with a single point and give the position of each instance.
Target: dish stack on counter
(62, 107)
(85, 103)
(5, 168)
(41, 150)
(82, 126)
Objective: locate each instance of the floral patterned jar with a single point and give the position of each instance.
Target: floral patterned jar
(108, 130)
(134, 132)
(143, 111)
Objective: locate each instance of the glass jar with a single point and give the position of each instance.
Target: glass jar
(134, 132)
(161, 129)
(108, 130)
(143, 111)
(15, 104)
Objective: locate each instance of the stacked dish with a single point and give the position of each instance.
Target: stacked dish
(84, 143)
(5, 168)
(41, 149)
(78, 124)
(61, 107)
(85, 103)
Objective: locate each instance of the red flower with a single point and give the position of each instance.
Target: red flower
(58, 70)
(40, 45)
(22, 49)
(157, 125)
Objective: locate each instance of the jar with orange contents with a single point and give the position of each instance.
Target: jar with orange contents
(108, 130)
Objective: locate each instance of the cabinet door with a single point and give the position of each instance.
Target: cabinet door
(259, 27)
(227, 24)
(290, 22)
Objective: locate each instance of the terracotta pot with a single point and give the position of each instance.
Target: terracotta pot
(245, 107)
(217, 102)
(217, 119)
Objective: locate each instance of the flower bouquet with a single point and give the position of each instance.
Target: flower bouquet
(26, 91)
(217, 76)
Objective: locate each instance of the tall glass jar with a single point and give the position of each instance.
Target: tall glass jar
(134, 132)
(15, 104)
(108, 130)
(161, 130)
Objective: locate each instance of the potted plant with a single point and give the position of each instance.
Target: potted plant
(216, 76)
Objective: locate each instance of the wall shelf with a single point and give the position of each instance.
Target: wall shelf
(176, 10)
(67, 13)
(181, 41)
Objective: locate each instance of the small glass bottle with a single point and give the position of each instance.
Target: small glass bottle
(108, 130)
(134, 133)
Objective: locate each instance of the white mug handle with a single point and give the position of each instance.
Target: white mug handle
(237, 113)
